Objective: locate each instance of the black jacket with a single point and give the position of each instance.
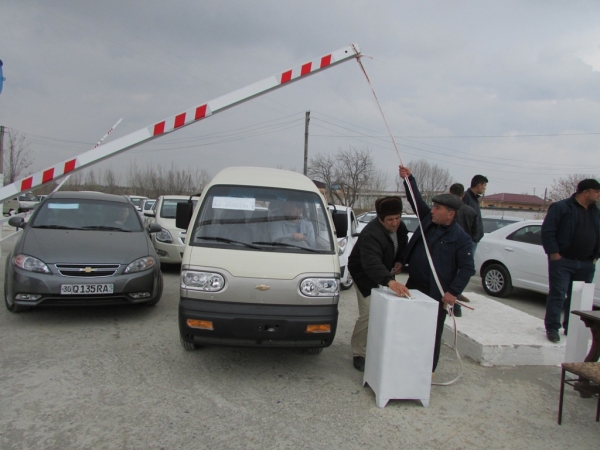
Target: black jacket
(452, 252)
(373, 257)
(467, 219)
(559, 226)
(471, 199)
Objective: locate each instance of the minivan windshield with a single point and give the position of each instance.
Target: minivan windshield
(263, 219)
(87, 214)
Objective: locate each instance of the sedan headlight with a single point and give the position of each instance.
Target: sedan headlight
(203, 281)
(342, 245)
(30, 264)
(140, 264)
(164, 236)
(320, 287)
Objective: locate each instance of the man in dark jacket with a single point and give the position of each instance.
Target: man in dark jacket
(467, 219)
(471, 198)
(450, 248)
(571, 239)
(374, 261)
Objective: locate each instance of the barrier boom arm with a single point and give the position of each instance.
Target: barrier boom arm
(177, 122)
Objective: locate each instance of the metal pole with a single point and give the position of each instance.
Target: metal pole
(306, 122)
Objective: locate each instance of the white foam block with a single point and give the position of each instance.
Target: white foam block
(400, 345)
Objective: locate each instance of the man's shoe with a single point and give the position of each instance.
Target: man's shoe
(457, 312)
(359, 363)
(553, 335)
(462, 298)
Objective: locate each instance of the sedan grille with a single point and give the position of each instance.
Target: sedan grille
(87, 270)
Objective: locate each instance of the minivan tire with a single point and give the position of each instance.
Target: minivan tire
(188, 346)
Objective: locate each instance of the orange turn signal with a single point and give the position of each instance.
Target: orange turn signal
(321, 328)
(202, 324)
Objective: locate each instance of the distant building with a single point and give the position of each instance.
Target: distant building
(514, 201)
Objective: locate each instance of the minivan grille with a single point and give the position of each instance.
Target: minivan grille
(87, 270)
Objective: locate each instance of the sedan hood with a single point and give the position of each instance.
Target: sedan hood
(76, 246)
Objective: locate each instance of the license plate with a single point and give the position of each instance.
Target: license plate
(86, 289)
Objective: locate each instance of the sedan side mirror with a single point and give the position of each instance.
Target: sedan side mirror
(154, 228)
(17, 222)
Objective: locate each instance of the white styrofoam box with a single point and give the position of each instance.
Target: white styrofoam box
(400, 345)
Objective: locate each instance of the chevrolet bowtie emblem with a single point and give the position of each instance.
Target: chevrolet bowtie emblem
(88, 270)
(262, 287)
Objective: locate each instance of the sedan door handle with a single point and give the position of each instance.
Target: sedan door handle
(509, 249)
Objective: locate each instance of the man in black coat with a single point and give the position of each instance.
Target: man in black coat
(374, 261)
(471, 198)
(571, 239)
(450, 247)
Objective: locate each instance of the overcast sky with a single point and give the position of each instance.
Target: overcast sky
(508, 89)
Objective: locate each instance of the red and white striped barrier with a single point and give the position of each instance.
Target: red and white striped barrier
(178, 121)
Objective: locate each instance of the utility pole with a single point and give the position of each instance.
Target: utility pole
(306, 122)
(1, 156)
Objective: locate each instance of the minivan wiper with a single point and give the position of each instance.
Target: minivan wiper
(283, 244)
(230, 241)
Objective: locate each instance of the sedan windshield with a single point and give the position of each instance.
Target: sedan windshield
(263, 219)
(79, 214)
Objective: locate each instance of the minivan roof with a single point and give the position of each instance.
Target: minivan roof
(263, 176)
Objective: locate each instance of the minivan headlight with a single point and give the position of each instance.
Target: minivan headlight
(140, 264)
(342, 245)
(203, 281)
(320, 287)
(30, 264)
(164, 236)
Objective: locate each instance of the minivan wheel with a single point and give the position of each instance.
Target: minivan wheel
(348, 284)
(496, 281)
(312, 351)
(189, 346)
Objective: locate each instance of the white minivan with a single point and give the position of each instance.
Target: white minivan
(260, 265)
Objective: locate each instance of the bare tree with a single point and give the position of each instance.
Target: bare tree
(378, 184)
(110, 181)
(17, 155)
(155, 181)
(345, 175)
(431, 178)
(565, 187)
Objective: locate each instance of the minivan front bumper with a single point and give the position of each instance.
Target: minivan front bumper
(252, 325)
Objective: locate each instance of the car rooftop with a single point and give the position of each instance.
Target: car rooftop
(88, 195)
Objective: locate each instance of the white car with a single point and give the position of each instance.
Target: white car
(513, 256)
(136, 200)
(493, 223)
(364, 219)
(170, 242)
(345, 226)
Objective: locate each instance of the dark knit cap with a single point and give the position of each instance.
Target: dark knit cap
(450, 201)
(388, 206)
(589, 183)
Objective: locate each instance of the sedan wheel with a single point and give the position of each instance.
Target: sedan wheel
(496, 281)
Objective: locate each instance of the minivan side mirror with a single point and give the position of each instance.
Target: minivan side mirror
(183, 216)
(149, 214)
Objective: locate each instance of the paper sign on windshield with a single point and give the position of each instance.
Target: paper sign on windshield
(63, 205)
(239, 203)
